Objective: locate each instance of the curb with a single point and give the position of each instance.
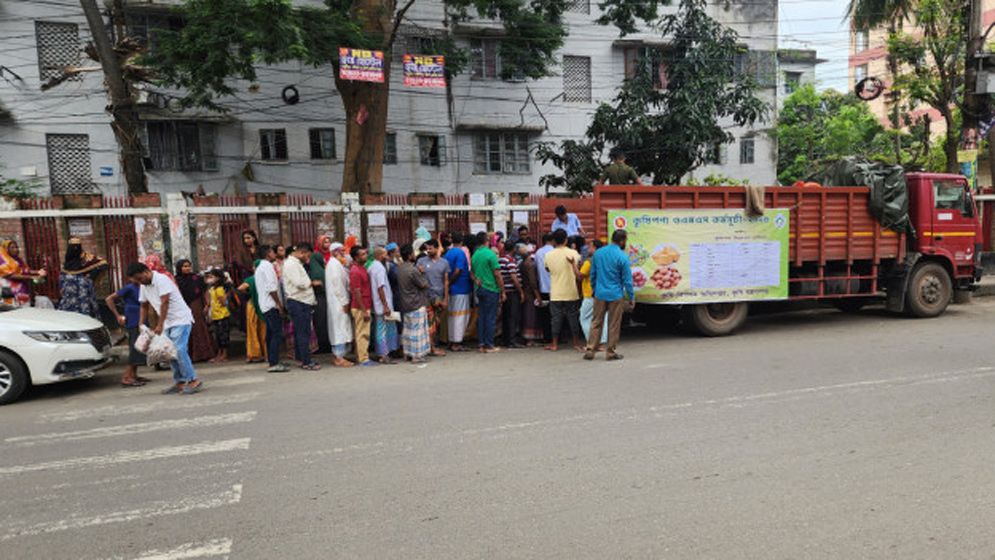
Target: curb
(985, 289)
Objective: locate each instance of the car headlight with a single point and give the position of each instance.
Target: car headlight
(74, 337)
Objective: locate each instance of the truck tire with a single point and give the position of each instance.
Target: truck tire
(716, 319)
(13, 378)
(930, 290)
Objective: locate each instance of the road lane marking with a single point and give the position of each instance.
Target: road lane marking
(133, 456)
(158, 509)
(215, 547)
(167, 403)
(130, 429)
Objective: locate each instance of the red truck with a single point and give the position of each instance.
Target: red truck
(838, 252)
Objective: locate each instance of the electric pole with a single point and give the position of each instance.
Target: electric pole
(126, 125)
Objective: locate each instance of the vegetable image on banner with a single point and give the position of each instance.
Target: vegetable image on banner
(428, 71)
(361, 65)
(706, 256)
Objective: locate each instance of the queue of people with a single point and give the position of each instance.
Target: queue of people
(363, 306)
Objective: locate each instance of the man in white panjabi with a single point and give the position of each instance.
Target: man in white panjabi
(337, 294)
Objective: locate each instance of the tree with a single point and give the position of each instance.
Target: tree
(934, 65)
(225, 39)
(667, 132)
(814, 127)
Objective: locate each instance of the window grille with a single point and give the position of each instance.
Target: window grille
(577, 79)
(69, 163)
(485, 62)
(579, 6)
(322, 142)
(58, 48)
(747, 150)
(180, 146)
(273, 144)
(432, 150)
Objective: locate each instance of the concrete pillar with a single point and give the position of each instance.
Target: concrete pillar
(500, 214)
(179, 226)
(352, 216)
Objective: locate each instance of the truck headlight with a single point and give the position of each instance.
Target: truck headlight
(72, 337)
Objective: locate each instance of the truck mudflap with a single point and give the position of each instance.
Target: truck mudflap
(897, 283)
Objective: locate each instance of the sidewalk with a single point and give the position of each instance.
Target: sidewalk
(986, 287)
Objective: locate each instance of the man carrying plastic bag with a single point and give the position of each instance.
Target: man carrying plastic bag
(159, 292)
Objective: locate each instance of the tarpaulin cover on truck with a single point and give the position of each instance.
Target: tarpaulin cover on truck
(889, 199)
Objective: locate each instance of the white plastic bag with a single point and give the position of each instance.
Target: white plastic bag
(144, 339)
(161, 350)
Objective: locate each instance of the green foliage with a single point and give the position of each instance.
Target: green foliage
(719, 180)
(867, 14)
(667, 133)
(932, 64)
(18, 188)
(817, 126)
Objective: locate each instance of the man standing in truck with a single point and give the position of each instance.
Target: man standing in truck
(611, 278)
(618, 172)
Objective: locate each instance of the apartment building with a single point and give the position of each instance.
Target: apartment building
(483, 142)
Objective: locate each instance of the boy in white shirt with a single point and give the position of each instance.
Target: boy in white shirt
(160, 293)
(271, 305)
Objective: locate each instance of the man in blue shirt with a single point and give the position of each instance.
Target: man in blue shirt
(567, 221)
(611, 278)
(460, 286)
(545, 319)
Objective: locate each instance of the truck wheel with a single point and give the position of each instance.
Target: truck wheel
(930, 290)
(13, 378)
(716, 319)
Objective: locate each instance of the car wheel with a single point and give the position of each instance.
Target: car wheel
(13, 378)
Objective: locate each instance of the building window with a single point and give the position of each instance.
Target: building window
(390, 148)
(655, 63)
(273, 144)
(759, 65)
(322, 143)
(69, 163)
(180, 146)
(501, 153)
(58, 48)
(747, 150)
(485, 63)
(432, 150)
(148, 27)
(792, 81)
(579, 6)
(716, 154)
(861, 40)
(859, 73)
(577, 79)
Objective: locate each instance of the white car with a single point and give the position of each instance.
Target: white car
(42, 346)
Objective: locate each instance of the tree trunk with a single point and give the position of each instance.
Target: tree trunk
(364, 141)
(126, 125)
(951, 142)
(366, 102)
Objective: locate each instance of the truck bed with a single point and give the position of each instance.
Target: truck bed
(828, 224)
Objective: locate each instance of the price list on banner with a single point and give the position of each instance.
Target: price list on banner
(361, 65)
(426, 71)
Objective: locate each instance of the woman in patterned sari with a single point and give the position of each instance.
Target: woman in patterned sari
(17, 274)
(76, 289)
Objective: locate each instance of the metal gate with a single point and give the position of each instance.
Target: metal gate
(303, 225)
(41, 247)
(120, 241)
(535, 222)
(232, 226)
(453, 221)
(399, 229)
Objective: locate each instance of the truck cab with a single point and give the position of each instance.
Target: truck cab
(947, 225)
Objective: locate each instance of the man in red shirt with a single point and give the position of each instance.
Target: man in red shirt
(362, 303)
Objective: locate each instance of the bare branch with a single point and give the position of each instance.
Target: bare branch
(397, 24)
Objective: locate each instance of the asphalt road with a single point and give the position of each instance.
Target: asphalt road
(809, 435)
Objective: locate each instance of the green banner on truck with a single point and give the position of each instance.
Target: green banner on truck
(706, 256)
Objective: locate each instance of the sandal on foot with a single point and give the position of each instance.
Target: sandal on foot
(192, 388)
(133, 383)
(173, 390)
